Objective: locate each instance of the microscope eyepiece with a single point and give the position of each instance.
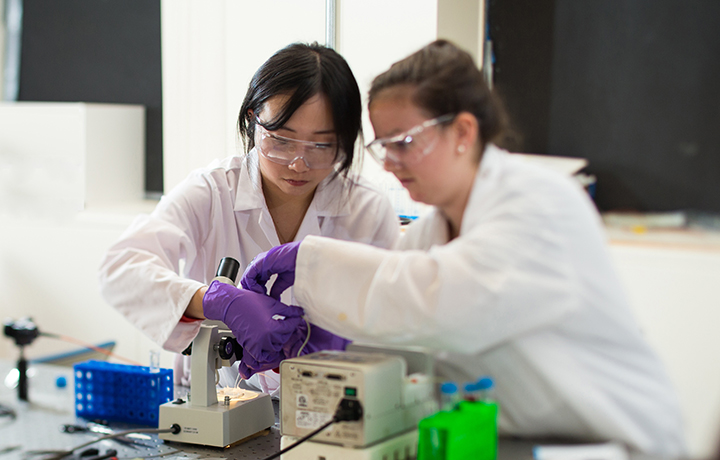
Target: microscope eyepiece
(228, 268)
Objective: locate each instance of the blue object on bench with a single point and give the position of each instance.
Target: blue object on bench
(121, 392)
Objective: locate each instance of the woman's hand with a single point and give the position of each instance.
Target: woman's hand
(279, 260)
(319, 340)
(194, 309)
(261, 324)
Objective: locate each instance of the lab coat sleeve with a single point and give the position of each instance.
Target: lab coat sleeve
(140, 274)
(496, 282)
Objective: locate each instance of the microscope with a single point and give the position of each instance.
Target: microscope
(202, 418)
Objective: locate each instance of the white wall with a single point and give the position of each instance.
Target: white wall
(48, 271)
(2, 45)
(364, 30)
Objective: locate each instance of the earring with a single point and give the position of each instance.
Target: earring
(461, 148)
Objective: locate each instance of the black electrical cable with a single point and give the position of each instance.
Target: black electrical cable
(57, 455)
(349, 410)
(300, 441)
(7, 412)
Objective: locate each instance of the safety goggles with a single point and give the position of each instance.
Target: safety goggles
(286, 151)
(408, 147)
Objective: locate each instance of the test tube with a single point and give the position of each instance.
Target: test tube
(449, 396)
(154, 361)
(485, 386)
(471, 391)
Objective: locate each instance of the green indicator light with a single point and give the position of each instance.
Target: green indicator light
(350, 391)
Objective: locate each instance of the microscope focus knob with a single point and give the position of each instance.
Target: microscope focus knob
(228, 347)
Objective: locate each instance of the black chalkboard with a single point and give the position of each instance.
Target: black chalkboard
(631, 85)
(97, 51)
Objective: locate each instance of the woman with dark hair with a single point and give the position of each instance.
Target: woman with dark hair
(299, 123)
(507, 276)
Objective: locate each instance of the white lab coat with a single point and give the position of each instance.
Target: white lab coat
(152, 272)
(526, 294)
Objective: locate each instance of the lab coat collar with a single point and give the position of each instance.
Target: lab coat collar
(485, 178)
(491, 159)
(331, 197)
(249, 187)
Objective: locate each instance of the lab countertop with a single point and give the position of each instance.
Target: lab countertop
(38, 422)
(684, 239)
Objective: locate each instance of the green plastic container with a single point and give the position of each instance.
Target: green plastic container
(468, 431)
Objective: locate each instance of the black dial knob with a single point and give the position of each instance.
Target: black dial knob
(228, 347)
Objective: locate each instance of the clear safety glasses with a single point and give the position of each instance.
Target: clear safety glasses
(408, 147)
(286, 151)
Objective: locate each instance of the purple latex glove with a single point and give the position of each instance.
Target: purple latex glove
(320, 340)
(256, 320)
(279, 260)
(249, 365)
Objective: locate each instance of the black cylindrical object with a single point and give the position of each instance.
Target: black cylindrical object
(227, 273)
(228, 268)
(22, 379)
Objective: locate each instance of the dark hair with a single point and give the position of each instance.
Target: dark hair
(301, 71)
(446, 81)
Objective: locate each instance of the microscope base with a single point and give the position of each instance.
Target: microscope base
(401, 447)
(217, 425)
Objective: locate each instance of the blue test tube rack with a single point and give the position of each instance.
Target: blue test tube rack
(121, 392)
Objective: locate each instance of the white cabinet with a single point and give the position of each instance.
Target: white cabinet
(60, 158)
(673, 283)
